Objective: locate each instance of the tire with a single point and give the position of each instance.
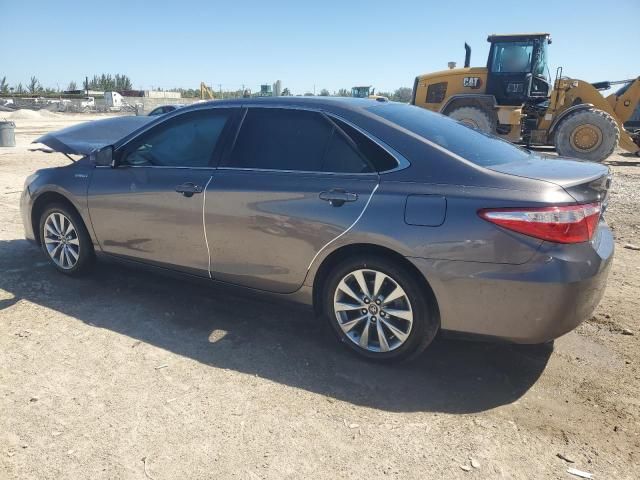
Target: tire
(416, 303)
(65, 240)
(588, 135)
(475, 118)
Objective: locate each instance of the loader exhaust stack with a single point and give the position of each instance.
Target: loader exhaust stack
(467, 55)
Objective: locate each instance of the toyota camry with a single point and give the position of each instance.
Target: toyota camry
(394, 222)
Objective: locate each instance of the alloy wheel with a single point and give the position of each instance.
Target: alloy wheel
(61, 240)
(373, 310)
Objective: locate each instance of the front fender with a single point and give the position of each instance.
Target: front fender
(70, 183)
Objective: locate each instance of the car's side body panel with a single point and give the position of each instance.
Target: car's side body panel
(271, 231)
(533, 302)
(265, 227)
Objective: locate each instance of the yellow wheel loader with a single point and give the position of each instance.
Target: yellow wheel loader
(513, 97)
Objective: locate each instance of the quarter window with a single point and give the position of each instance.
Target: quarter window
(342, 157)
(184, 141)
(377, 156)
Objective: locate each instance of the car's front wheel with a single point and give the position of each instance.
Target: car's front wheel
(379, 309)
(65, 240)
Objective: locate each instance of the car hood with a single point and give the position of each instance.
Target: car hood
(84, 138)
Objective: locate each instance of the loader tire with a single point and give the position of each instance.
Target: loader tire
(588, 135)
(475, 118)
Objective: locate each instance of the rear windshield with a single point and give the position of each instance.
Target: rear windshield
(477, 147)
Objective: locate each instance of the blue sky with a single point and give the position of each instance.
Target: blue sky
(330, 44)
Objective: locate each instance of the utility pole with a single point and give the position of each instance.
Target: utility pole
(221, 94)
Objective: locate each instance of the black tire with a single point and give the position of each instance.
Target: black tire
(474, 117)
(422, 304)
(599, 138)
(85, 252)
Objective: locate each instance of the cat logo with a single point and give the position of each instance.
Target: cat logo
(471, 82)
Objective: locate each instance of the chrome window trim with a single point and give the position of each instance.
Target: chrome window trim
(400, 159)
(306, 172)
(155, 166)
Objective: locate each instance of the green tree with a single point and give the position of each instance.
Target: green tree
(34, 86)
(343, 92)
(4, 86)
(72, 86)
(308, 94)
(402, 94)
(324, 92)
(107, 82)
(286, 92)
(20, 89)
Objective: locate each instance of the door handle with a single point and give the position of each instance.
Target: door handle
(337, 197)
(188, 189)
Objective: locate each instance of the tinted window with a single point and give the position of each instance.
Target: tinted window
(281, 139)
(477, 147)
(341, 157)
(376, 155)
(436, 92)
(512, 57)
(184, 141)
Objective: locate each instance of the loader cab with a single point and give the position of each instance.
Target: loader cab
(362, 91)
(517, 68)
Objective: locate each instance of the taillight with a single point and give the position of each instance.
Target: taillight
(566, 224)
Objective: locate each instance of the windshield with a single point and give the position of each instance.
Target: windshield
(479, 148)
(512, 57)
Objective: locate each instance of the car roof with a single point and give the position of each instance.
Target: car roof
(347, 103)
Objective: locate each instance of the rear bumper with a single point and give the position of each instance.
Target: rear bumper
(529, 303)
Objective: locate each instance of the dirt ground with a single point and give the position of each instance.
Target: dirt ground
(126, 374)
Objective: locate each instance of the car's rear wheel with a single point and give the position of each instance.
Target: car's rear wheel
(65, 240)
(379, 309)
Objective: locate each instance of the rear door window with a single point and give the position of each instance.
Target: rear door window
(281, 139)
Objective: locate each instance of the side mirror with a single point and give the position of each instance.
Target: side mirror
(103, 157)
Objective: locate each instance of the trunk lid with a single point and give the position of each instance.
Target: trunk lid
(86, 137)
(584, 181)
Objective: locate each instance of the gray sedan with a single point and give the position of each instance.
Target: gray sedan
(393, 222)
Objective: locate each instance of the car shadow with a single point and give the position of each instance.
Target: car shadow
(283, 342)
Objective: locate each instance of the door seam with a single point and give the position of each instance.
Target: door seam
(346, 231)
(204, 224)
